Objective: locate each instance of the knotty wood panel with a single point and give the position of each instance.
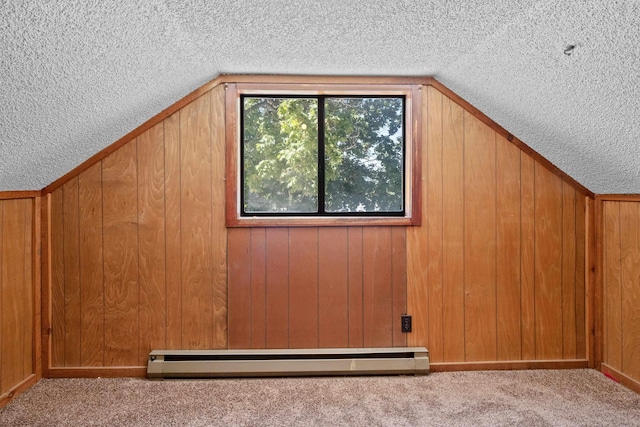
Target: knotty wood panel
(17, 315)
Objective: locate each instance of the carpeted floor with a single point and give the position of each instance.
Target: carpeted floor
(486, 398)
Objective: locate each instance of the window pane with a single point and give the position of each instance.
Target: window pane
(280, 158)
(364, 154)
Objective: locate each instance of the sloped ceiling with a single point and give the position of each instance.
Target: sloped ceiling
(77, 76)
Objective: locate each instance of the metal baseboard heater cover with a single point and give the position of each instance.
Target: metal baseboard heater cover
(287, 362)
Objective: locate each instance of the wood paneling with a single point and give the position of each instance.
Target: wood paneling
(527, 261)
(91, 267)
(508, 245)
(479, 240)
(173, 233)
(258, 293)
(453, 341)
(493, 272)
(277, 283)
(568, 272)
(120, 262)
(72, 301)
(325, 287)
(17, 296)
(433, 211)
(398, 283)
(139, 246)
(11, 283)
(333, 287)
(496, 272)
(581, 263)
(217, 214)
(303, 287)
(377, 286)
(548, 265)
(621, 286)
(240, 288)
(195, 198)
(354, 268)
(417, 283)
(151, 241)
(612, 260)
(57, 280)
(630, 292)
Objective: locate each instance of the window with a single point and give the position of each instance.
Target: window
(337, 155)
(322, 155)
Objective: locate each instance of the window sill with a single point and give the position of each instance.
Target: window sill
(319, 221)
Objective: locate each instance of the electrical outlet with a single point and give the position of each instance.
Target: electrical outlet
(406, 323)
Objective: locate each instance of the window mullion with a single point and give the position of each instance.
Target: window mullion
(321, 157)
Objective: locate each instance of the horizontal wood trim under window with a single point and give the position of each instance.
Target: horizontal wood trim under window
(412, 178)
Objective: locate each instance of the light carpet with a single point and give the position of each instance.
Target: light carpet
(487, 398)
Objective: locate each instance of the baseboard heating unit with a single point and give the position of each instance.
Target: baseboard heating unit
(288, 362)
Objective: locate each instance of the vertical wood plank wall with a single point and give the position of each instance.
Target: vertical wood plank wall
(497, 271)
(138, 246)
(316, 287)
(621, 287)
(141, 259)
(18, 320)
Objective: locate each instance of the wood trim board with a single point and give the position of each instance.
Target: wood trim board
(618, 376)
(509, 365)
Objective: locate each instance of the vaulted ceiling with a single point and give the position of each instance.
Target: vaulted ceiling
(77, 76)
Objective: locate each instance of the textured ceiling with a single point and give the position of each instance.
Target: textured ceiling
(77, 76)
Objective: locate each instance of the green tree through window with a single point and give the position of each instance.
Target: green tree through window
(322, 155)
